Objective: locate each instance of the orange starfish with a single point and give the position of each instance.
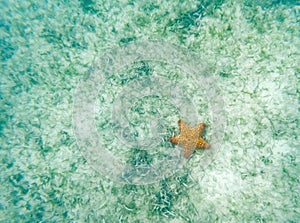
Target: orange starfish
(190, 138)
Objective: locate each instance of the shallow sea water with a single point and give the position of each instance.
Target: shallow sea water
(91, 91)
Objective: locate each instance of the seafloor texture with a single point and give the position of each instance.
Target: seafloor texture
(252, 50)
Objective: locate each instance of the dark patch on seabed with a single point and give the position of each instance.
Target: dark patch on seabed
(7, 50)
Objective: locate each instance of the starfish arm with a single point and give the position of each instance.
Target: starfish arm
(182, 125)
(201, 127)
(174, 140)
(188, 151)
(179, 124)
(202, 144)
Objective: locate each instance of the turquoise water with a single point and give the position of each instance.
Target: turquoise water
(91, 91)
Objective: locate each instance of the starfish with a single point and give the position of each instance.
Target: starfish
(190, 138)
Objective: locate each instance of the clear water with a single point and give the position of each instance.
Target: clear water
(91, 91)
